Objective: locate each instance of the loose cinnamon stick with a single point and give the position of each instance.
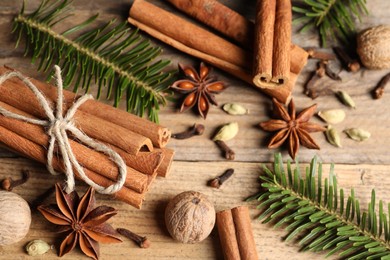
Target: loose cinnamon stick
(235, 233)
(190, 34)
(87, 157)
(36, 152)
(227, 235)
(244, 233)
(159, 135)
(152, 27)
(264, 42)
(272, 43)
(219, 17)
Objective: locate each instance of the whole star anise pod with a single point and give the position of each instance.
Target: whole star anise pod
(295, 128)
(81, 221)
(199, 88)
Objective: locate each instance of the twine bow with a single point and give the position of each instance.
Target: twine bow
(57, 126)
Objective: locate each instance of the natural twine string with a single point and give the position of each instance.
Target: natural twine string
(57, 127)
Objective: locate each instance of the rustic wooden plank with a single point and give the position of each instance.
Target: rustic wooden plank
(362, 166)
(186, 176)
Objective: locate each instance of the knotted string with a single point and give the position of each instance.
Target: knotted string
(57, 126)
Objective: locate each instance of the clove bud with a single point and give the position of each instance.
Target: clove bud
(351, 64)
(141, 241)
(9, 184)
(218, 181)
(196, 129)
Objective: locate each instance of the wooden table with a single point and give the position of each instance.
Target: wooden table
(362, 166)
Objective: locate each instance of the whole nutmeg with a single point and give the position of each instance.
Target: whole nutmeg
(190, 217)
(15, 218)
(373, 47)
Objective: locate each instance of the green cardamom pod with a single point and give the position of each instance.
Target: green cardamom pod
(357, 134)
(37, 247)
(333, 136)
(346, 98)
(332, 116)
(235, 109)
(227, 132)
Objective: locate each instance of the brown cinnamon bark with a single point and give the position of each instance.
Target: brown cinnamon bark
(166, 163)
(244, 233)
(227, 235)
(16, 94)
(264, 42)
(219, 17)
(159, 135)
(90, 159)
(152, 27)
(189, 34)
(272, 43)
(36, 152)
(282, 42)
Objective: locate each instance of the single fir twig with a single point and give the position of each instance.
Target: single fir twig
(111, 55)
(315, 214)
(334, 19)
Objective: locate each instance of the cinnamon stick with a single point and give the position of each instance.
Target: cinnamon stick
(235, 233)
(272, 43)
(36, 152)
(87, 157)
(227, 235)
(159, 135)
(166, 163)
(154, 28)
(244, 233)
(189, 34)
(219, 17)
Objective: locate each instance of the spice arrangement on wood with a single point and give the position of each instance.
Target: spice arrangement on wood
(143, 161)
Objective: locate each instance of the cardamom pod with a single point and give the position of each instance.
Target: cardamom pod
(346, 99)
(332, 116)
(37, 247)
(357, 134)
(333, 136)
(227, 132)
(235, 109)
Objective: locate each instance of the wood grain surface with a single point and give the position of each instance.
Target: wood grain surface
(362, 166)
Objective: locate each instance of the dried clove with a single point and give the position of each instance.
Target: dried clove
(196, 129)
(320, 55)
(351, 64)
(9, 184)
(380, 88)
(330, 73)
(218, 181)
(314, 90)
(141, 241)
(229, 154)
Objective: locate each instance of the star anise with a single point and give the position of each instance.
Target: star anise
(199, 88)
(295, 128)
(82, 223)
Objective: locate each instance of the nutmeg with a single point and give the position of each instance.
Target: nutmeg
(15, 218)
(190, 217)
(373, 47)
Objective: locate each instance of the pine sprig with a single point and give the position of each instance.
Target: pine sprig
(334, 19)
(112, 56)
(318, 216)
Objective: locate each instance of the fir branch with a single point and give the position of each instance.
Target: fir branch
(317, 216)
(111, 55)
(334, 19)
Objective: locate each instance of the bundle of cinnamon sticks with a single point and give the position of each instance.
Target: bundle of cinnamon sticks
(234, 55)
(139, 142)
